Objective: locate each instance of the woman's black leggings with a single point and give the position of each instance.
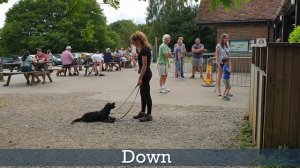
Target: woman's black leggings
(145, 92)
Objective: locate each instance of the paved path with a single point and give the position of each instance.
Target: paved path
(117, 85)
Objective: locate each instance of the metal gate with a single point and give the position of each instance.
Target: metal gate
(240, 65)
(240, 74)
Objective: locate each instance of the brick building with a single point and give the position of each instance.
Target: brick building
(244, 26)
(287, 17)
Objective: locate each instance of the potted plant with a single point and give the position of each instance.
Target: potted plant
(295, 35)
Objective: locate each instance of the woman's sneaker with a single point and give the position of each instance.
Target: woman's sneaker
(147, 117)
(161, 90)
(220, 96)
(166, 89)
(226, 98)
(229, 95)
(139, 115)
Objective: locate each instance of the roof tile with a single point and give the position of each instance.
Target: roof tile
(251, 11)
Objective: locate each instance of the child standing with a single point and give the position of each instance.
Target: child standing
(226, 78)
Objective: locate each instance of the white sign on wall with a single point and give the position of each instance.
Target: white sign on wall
(261, 42)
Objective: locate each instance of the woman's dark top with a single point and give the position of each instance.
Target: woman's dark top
(107, 57)
(144, 52)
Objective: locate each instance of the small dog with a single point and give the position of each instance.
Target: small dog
(102, 115)
(60, 72)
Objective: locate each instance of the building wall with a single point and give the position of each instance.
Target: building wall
(240, 31)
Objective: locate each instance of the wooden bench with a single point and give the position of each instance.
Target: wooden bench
(111, 64)
(63, 67)
(87, 66)
(26, 75)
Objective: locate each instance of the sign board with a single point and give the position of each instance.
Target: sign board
(239, 46)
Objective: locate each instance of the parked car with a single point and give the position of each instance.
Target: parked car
(10, 59)
(79, 54)
(81, 57)
(57, 59)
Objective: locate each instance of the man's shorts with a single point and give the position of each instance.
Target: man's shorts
(123, 59)
(226, 83)
(68, 65)
(162, 69)
(197, 62)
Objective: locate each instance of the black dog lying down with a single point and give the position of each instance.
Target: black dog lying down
(102, 115)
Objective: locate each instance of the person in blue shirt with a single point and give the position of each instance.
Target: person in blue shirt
(178, 59)
(226, 78)
(107, 59)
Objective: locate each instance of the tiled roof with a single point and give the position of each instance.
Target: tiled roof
(255, 10)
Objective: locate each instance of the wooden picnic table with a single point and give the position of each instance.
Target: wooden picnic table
(40, 66)
(13, 65)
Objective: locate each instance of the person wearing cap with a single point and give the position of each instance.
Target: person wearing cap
(67, 60)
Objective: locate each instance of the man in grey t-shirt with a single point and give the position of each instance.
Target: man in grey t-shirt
(197, 61)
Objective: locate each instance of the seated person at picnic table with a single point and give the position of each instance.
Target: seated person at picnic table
(50, 59)
(98, 60)
(26, 66)
(67, 61)
(124, 58)
(41, 57)
(118, 57)
(108, 58)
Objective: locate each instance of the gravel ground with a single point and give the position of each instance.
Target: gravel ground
(35, 121)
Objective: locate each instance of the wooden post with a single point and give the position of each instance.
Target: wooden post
(1, 69)
(155, 51)
(285, 28)
(297, 13)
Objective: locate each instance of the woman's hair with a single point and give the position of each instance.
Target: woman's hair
(141, 38)
(165, 38)
(179, 41)
(180, 38)
(108, 50)
(222, 40)
(25, 55)
(225, 59)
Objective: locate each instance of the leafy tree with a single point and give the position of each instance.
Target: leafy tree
(3, 1)
(124, 28)
(112, 39)
(54, 24)
(145, 28)
(177, 19)
(214, 3)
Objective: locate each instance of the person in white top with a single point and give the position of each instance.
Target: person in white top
(50, 59)
(222, 51)
(133, 56)
(98, 61)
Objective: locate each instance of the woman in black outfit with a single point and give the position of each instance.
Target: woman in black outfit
(140, 41)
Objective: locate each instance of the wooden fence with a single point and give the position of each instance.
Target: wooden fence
(274, 111)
